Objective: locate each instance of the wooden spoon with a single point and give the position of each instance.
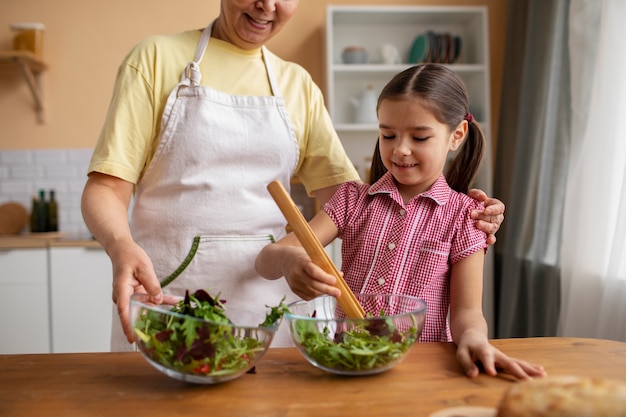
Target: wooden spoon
(314, 248)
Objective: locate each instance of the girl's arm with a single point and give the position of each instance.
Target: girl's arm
(469, 327)
(287, 258)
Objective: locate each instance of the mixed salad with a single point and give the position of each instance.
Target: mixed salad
(365, 345)
(207, 347)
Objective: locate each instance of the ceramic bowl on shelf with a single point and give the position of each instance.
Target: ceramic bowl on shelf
(352, 346)
(199, 350)
(354, 55)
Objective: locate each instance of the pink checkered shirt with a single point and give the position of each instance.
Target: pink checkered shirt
(394, 248)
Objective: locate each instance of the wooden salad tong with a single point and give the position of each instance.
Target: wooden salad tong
(314, 248)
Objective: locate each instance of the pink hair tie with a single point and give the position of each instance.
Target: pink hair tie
(470, 118)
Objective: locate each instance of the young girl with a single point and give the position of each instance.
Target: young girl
(409, 231)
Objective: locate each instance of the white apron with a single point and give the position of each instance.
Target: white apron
(202, 211)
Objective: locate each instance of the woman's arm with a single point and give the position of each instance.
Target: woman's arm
(105, 202)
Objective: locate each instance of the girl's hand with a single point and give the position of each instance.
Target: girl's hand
(475, 348)
(489, 219)
(306, 279)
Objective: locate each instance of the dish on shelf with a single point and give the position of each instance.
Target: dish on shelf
(419, 49)
(354, 55)
(432, 47)
(457, 48)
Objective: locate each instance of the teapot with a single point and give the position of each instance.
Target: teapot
(365, 106)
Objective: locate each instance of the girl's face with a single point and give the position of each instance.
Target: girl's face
(249, 24)
(413, 144)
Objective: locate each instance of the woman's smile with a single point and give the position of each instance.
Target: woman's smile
(259, 23)
(249, 24)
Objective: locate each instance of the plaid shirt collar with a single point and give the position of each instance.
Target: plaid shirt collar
(439, 192)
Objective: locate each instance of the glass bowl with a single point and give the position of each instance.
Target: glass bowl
(198, 350)
(344, 346)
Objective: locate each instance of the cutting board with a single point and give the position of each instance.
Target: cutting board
(13, 218)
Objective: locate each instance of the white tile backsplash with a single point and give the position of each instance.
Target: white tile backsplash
(24, 172)
(16, 157)
(4, 172)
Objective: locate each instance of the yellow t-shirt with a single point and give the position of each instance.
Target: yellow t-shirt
(152, 69)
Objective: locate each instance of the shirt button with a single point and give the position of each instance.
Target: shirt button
(402, 212)
(381, 281)
(391, 246)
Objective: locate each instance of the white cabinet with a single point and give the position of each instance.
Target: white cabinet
(24, 304)
(80, 292)
(373, 27)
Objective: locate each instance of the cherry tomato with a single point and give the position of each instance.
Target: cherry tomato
(202, 369)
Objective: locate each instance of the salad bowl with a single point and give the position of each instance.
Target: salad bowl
(194, 341)
(356, 346)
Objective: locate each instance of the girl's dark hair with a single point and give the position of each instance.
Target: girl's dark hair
(446, 95)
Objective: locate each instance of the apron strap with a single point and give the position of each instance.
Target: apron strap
(270, 74)
(192, 70)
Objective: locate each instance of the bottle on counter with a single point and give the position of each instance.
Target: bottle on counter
(34, 215)
(52, 214)
(42, 212)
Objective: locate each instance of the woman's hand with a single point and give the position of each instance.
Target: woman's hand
(104, 204)
(489, 219)
(133, 272)
(474, 348)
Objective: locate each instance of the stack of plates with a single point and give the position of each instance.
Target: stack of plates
(441, 48)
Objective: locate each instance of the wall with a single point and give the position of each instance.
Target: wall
(83, 46)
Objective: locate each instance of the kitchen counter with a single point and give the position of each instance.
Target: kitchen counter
(285, 384)
(44, 240)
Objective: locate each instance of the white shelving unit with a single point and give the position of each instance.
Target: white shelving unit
(374, 26)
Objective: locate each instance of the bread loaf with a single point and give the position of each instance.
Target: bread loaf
(564, 396)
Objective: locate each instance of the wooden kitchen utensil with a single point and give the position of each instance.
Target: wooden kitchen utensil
(314, 248)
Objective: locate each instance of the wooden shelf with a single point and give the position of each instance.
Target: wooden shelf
(32, 68)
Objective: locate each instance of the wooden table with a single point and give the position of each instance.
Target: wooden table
(429, 379)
